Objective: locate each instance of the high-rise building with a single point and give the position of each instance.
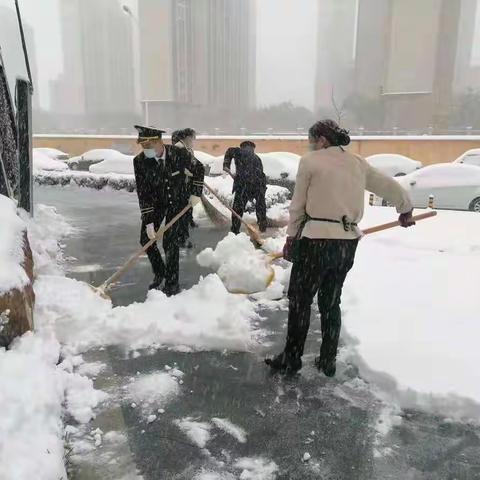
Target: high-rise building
(196, 54)
(98, 75)
(12, 52)
(408, 58)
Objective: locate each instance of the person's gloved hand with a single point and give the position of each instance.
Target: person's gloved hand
(150, 229)
(288, 248)
(406, 220)
(194, 200)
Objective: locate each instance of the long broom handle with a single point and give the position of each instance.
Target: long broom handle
(248, 226)
(386, 226)
(378, 228)
(133, 259)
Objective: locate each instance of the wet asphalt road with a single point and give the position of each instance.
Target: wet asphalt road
(278, 413)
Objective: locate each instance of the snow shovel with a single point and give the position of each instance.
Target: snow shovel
(252, 232)
(378, 228)
(107, 284)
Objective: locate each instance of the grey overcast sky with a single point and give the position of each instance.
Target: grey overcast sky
(286, 45)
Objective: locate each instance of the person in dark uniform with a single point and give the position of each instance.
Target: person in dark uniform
(249, 183)
(185, 139)
(327, 205)
(167, 180)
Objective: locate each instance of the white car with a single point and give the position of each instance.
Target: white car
(393, 164)
(92, 157)
(470, 157)
(453, 186)
(53, 153)
(44, 162)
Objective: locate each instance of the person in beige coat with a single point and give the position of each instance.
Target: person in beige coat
(327, 205)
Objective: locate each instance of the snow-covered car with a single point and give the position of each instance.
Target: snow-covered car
(53, 153)
(44, 162)
(113, 162)
(87, 159)
(453, 186)
(470, 157)
(393, 164)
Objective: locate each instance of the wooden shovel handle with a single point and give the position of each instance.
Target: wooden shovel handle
(133, 259)
(386, 226)
(252, 230)
(378, 228)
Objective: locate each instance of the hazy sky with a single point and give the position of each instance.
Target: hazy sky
(285, 47)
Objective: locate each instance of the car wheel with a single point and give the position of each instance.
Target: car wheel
(475, 205)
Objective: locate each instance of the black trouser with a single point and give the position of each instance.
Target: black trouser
(170, 268)
(242, 197)
(318, 266)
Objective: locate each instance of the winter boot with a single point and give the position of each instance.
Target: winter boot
(157, 283)
(171, 290)
(284, 363)
(329, 367)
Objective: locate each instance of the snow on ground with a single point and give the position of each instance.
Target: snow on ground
(256, 468)
(206, 317)
(42, 161)
(228, 427)
(412, 303)
(36, 390)
(197, 432)
(152, 392)
(12, 274)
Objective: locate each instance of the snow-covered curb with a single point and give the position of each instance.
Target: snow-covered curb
(38, 389)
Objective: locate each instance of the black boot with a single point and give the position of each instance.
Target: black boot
(157, 283)
(329, 367)
(171, 290)
(262, 226)
(284, 363)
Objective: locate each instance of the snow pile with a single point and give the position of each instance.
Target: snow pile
(12, 274)
(412, 302)
(35, 389)
(112, 161)
(241, 267)
(204, 317)
(41, 161)
(197, 432)
(44, 234)
(152, 392)
(238, 433)
(256, 468)
(31, 398)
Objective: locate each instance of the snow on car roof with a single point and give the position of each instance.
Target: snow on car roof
(446, 174)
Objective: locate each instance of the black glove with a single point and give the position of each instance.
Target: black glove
(406, 220)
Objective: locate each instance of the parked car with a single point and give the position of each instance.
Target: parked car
(470, 157)
(44, 162)
(86, 160)
(393, 164)
(53, 153)
(453, 186)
